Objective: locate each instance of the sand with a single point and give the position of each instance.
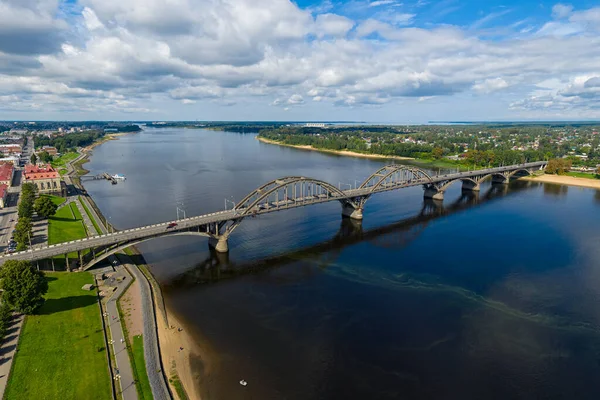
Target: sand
(337, 152)
(131, 304)
(566, 180)
(175, 359)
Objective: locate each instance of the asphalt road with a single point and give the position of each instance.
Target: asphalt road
(123, 372)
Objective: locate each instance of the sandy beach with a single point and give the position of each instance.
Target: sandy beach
(337, 152)
(182, 352)
(171, 339)
(566, 180)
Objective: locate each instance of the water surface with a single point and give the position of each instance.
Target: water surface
(488, 296)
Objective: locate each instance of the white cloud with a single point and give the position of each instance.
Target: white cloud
(252, 53)
(490, 85)
(560, 11)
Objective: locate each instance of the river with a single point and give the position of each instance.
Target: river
(494, 296)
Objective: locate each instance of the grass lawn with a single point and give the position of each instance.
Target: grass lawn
(61, 352)
(139, 368)
(64, 226)
(55, 199)
(61, 161)
(583, 175)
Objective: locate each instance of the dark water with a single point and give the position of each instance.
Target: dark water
(495, 296)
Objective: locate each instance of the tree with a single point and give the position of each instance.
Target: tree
(23, 231)
(23, 286)
(437, 153)
(25, 209)
(45, 157)
(44, 207)
(34, 159)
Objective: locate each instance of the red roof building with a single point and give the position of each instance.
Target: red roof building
(45, 178)
(6, 173)
(33, 172)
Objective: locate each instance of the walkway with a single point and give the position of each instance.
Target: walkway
(120, 280)
(8, 350)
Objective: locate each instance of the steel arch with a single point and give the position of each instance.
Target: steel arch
(387, 171)
(247, 205)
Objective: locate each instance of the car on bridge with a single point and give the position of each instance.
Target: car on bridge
(172, 225)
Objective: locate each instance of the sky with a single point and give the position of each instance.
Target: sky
(381, 61)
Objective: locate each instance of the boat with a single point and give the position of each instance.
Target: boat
(119, 177)
(243, 382)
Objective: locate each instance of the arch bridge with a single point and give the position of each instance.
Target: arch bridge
(276, 195)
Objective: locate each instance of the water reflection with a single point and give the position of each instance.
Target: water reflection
(219, 266)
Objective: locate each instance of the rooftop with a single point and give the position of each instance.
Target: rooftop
(34, 172)
(6, 171)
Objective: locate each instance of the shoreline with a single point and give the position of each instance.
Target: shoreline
(347, 153)
(564, 180)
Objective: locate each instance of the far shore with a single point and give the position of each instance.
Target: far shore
(565, 180)
(337, 152)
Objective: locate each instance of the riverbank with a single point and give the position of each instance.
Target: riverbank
(408, 160)
(565, 180)
(336, 152)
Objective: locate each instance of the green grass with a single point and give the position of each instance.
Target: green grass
(64, 226)
(55, 199)
(583, 175)
(61, 352)
(89, 214)
(139, 368)
(62, 161)
(174, 379)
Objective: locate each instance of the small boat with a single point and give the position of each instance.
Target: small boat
(243, 382)
(118, 176)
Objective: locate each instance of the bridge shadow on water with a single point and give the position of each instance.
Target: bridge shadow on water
(219, 266)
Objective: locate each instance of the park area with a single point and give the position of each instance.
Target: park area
(61, 353)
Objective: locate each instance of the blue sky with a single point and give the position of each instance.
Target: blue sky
(362, 60)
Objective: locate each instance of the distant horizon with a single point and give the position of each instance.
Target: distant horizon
(401, 62)
(459, 122)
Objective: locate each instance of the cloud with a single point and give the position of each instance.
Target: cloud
(29, 27)
(142, 55)
(490, 85)
(560, 11)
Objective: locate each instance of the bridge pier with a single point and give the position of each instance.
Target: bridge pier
(219, 244)
(470, 185)
(434, 193)
(350, 212)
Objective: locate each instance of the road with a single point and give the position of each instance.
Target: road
(120, 279)
(8, 350)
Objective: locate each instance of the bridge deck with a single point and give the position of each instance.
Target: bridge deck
(183, 225)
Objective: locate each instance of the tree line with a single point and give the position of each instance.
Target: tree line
(43, 206)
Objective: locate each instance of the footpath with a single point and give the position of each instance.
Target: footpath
(8, 350)
(123, 373)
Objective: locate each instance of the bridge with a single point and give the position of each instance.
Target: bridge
(277, 195)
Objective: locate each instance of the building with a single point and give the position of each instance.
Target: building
(10, 148)
(45, 178)
(3, 195)
(50, 150)
(12, 159)
(7, 172)
(314, 125)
